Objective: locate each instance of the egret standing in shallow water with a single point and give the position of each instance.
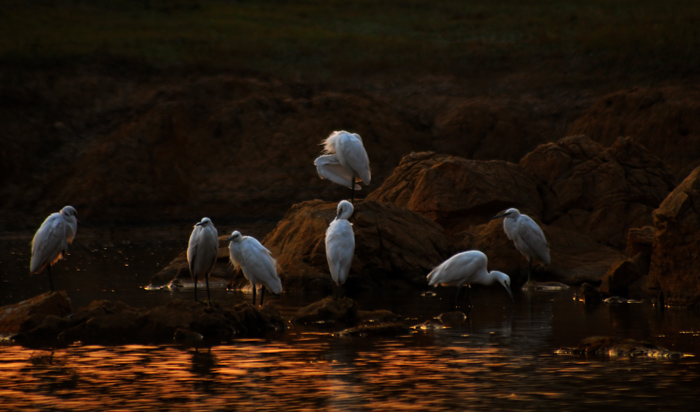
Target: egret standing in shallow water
(201, 252)
(467, 268)
(50, 242)
(344, 159)
(257, 263)
(340, 244)
(526, 235)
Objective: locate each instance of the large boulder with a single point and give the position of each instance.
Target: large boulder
(457, 192)
(665, 120)
(598, 191)
(394, 247)
(673, 272)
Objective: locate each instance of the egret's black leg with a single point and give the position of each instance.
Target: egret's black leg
(206, 277)
(459, 288)
(352, 184)
(254, 294)
(50, 278)
(195, 290)
(469, 301)
(262, 295)
(529, 270)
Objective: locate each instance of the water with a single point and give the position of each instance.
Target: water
(503, 357)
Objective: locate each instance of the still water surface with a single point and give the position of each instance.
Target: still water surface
(503, 357)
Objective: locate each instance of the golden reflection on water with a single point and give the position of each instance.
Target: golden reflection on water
(415, 372)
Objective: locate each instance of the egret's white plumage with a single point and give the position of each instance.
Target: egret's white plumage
(201, 252)
(344, 159)
(340, 243)
(256, 262)
(526, 235)
(50, 242)
(467, 268)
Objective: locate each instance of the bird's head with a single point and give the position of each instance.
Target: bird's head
(235, 237)
(204, 222)
(69, 213)
(504, 280)
(512, 213)
(345, 210)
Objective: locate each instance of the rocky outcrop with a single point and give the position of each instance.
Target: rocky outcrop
(46, 320)
(598, 191)
(673, 272)
(584, 196)
(664, 120)
(457, 192)
(394, 247)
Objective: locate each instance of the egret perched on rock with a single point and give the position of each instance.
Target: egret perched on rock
(527, 236)
(50, 242)
(340, 243)
(257, 263)
(201, 252)
(344, 159)
(467, 268)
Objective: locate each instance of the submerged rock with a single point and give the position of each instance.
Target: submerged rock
(328, 311)
(618, 347)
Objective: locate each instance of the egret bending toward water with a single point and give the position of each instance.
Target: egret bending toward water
(527, 236)
(50, 242)
(467, 268)
(201, 252)
(340, 243)
(256, 261)
(344, 159)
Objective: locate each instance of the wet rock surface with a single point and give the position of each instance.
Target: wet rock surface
(114, 322)
(605, 346)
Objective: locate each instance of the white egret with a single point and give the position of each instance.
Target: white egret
(467, 268)
(526, 235)
(344, 159)
(201, 252)
(50, 242)
(256, 262)
(340, 243)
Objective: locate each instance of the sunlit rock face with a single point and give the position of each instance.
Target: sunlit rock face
(394, 247)
(676, 249)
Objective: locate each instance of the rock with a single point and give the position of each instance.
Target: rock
(575, 258)
(619, 347)
(114, 322)
(328, 311)
(664, 120)
(382, 329)
(588, 294)
(394, 247)
(457, 192)
(673, 272)
(640, 240)
(29, 314)
(596, 191)
(619, 277)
